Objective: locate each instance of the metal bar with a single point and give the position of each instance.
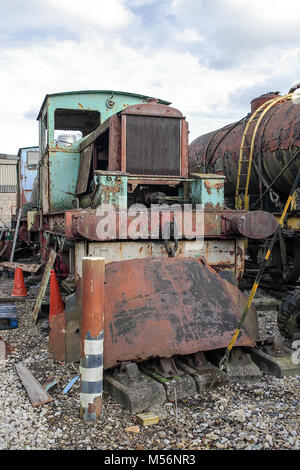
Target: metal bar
(15, 236)
(123, 142)
(184, 149)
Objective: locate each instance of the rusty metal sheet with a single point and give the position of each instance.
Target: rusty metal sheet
(152, 108)
(240, 301)
(114, 143)
(84, 169)
(57, 337)
(224, 253)
(178, 306)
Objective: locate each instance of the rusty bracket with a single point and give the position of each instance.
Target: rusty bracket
(128, 374)
(166, 367)
(198, 361)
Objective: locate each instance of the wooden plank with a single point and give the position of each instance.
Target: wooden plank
(12, 299)
(37, 394)
(29, 268)
(43, 286)
(84, 170)
(93, 135)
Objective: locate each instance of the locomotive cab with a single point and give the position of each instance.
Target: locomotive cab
(138, 155)
(66, 120)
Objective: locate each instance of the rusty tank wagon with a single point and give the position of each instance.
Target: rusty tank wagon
(123, 190)
(260, 157)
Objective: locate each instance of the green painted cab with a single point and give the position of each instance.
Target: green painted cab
(65, 121)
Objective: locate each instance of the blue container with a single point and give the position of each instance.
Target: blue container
(8, 316)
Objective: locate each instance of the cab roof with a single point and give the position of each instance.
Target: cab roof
(86, 92)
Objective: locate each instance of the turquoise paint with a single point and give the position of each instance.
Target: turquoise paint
(208, 190)
(64, 161)
(63, 171)
(113, 190)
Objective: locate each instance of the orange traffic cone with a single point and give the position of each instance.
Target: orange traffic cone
(56, 303)
(19, 289)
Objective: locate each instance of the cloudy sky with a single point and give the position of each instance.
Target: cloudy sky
(208, 57)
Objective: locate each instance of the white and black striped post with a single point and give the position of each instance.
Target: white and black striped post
(92, 333)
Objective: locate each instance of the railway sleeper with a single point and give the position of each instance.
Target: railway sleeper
(202, 371)
(177, 384)
(134, 390)
(274, 358)
(139, 387)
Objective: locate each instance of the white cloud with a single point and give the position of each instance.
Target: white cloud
(167, 58)
(20, 15)
(139, 3)
(235, 29)
(108, 15)
(189, 36)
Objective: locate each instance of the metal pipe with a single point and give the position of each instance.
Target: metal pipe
(92, 333)
(15, 236)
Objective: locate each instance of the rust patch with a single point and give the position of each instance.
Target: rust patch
(8, 347)
(93, 410)
(109, 192)
(210, 185)
(57, 337)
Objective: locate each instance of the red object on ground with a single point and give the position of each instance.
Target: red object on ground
(19, 289)
(56, 303)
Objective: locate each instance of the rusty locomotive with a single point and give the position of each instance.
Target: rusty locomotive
(115, 181)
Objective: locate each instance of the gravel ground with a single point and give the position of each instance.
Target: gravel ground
(265, 415)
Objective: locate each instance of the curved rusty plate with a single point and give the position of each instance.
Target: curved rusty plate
(166, 306)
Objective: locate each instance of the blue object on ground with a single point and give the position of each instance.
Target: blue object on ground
(8, 316)
(67, 388)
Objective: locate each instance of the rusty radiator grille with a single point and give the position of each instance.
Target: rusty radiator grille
(152, 145)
